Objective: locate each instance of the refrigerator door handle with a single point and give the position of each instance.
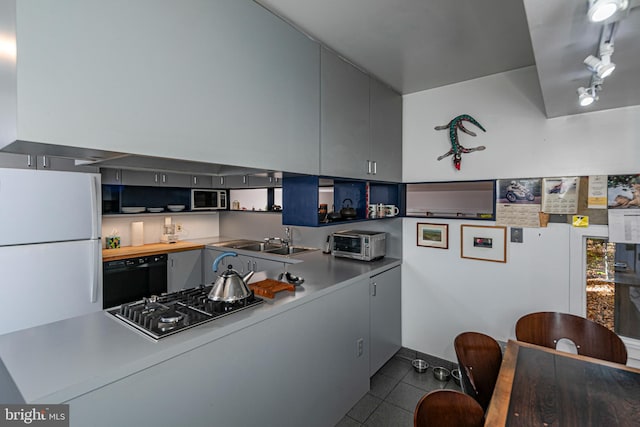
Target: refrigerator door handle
(96, 273)
(95, 194)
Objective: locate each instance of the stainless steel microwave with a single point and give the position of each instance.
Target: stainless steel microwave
(203, 200)
(359, 244)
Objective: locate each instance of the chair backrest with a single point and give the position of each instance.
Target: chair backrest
(479, 357)
(591, 339)
(448, 408)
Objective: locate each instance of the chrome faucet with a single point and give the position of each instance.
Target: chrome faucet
(289, 239)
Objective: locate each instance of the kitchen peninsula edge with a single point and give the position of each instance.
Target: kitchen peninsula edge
(67, 361)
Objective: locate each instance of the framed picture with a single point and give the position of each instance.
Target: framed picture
(483, 242)
(433, 235)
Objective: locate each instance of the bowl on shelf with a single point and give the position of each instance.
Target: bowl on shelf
(175, 208)
(155, 210)
(441, 374)
(133, 209)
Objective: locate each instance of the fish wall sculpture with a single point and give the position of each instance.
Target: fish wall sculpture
(457, 149)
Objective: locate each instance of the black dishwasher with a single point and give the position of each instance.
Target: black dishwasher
(131, 279)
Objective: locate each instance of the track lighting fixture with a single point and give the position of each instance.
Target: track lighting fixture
(601, 10)
(603, 67)
(586, 96)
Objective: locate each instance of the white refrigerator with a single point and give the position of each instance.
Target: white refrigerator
(50, 247)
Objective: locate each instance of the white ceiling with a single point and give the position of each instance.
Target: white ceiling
(414, 45)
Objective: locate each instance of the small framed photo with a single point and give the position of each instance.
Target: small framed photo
(433, 235)
(483, 242)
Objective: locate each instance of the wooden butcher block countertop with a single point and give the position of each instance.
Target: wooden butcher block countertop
(149, 249)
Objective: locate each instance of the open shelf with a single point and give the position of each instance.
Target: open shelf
(460, 199)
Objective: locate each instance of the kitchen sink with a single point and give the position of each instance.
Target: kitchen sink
(291, 250)
(257, 246)
(240, 244)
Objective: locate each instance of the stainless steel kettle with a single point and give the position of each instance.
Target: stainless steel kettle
(230, 286)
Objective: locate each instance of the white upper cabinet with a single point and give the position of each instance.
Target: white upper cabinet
(220, 81)
(386, 133)
(361, 124)
(344, 127)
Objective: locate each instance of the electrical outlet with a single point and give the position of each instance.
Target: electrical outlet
(359, 347)
(178, 227)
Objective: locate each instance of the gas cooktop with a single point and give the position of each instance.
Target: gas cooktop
(167, 314)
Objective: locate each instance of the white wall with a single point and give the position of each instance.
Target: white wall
(443, 294)
(520, 141)
(194, 226)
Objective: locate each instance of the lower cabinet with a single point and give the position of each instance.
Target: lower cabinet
(385, 318)
(184, 270)
(297, 368)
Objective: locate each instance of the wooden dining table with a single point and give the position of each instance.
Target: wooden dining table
(539, 386)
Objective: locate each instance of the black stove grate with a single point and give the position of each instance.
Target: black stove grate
(168, 314)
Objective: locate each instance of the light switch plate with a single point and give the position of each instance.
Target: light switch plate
(516, 235)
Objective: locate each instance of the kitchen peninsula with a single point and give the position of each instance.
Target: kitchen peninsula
(224, 372)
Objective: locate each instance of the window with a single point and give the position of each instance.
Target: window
(613, 286)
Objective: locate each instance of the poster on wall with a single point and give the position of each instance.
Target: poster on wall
(597, 194)
(518, 202)
(560, 195)
(623, 191)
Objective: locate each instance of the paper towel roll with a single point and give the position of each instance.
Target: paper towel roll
(137, 233)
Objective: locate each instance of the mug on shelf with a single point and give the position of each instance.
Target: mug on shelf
(381, 210)
(373, 211)
(392, 210)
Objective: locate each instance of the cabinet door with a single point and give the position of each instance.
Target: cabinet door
(249, 79)
(386, 133)
(237, 181)
(64, 164)
(184, 270)
(17, 161)
(155, 179)
(201, 181)
(344, 127)
(111, 176)
(386, 333)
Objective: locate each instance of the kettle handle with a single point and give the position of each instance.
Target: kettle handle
(219, 258)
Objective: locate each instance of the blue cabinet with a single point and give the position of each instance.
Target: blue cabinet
(301, 198)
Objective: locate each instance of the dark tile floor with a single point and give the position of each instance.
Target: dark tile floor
(395, 391)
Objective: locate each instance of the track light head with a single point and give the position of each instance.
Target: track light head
(586, 96)
(601, 67)
(601, 10)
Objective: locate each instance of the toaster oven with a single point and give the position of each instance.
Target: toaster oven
(359, 244)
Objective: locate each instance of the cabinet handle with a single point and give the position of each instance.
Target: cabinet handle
(222, 180)
(195, 180)
(164, 178)
(375, 167)
(255, 265)
(44, 162)
(155, 178)
(368, 167)
(117, 176)
(373, 290)
(172, 263)
(244, 179)
(29, 161)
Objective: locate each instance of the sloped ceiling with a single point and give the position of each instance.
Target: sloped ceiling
(415, 45)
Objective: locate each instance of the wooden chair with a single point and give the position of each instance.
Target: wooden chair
(479, 357)
(448, 408)
(590, 338)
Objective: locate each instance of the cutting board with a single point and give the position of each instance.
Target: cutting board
(269, 287)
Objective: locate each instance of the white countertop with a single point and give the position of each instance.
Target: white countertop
(56, 362)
